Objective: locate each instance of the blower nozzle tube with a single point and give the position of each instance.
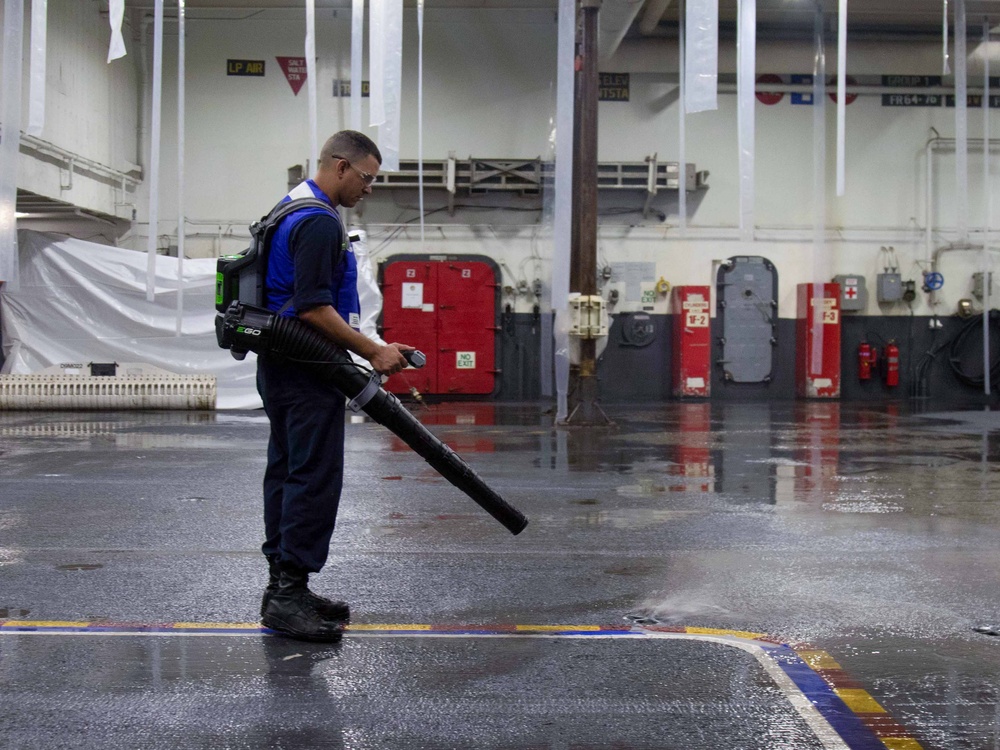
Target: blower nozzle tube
(246, 328)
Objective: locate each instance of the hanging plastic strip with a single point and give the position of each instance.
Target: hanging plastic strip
(154, 155)
(116, 14)
(10, 140)
(820, 262)
(36, 86)
(386, 50)
(945, 67)
(961, 125)
(181, 222)
(701, 64)
(420, 115)
(746, 94)
(376, 62)
(988, 206)
(357, 57)
(681, 139)
(563, 229)
(311, 76)
(841, 98)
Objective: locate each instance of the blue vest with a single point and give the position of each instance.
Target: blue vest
(280, 281)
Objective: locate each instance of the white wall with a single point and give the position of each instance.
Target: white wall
(91, 108)
(490, 92)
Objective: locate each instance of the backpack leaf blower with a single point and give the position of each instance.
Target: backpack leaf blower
(244, 328)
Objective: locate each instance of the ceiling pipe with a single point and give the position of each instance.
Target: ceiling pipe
(617, 18)
(652, 16)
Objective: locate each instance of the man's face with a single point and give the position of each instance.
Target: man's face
(357, 181)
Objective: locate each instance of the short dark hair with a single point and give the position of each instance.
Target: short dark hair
(350, 145)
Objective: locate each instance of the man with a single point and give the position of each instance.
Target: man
(312, 274)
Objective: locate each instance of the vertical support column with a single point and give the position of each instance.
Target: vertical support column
(817, 336)
(583, 258)
(692, 341)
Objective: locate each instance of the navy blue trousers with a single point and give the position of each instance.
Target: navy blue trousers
(305, 463)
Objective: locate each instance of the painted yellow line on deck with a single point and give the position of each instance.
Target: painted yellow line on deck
(715, 631)
(215, 625)
(556, 628)
(387, 627)
(818, 659)
(46, 624)
(901, 743)
(859, 701)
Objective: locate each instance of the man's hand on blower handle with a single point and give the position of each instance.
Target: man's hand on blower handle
(391, 358)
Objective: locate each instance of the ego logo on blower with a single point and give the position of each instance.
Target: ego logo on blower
(248, 331)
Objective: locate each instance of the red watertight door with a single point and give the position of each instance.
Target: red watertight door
(447, 309)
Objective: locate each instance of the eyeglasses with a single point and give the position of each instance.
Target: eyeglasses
(368, 179)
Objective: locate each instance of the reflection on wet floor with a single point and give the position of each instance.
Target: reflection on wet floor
(868, 532)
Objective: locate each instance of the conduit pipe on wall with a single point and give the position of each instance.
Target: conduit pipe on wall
(932, 145)
(651, 15)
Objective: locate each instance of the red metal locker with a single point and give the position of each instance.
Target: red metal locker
(817, 335)
(447, 309)
(409, 304)
(692, 341)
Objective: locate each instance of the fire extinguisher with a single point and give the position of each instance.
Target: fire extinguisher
(891, 364)
(867, 357)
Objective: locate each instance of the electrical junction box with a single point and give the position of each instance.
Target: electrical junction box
(889, 287)
(978, 288)
(853, 292)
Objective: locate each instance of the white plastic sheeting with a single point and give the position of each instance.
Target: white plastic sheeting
(154, 149)
(357, 56)
(369, 294)
(701, 64)
(83, 302)
(563, 226)
(10, 120)
(945, 68)
(181, 222)
(820, 251)
(842, 98)
(116, 14)
(420, 115)
(385, 52)
(746, 83)
(311, 83)
(682, 215)
(988, 206)
(961, 124)
(36, 85)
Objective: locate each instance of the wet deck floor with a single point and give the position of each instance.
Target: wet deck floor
(810, 575)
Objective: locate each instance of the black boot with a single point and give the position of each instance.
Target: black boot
(290, 611)
(329, 609)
